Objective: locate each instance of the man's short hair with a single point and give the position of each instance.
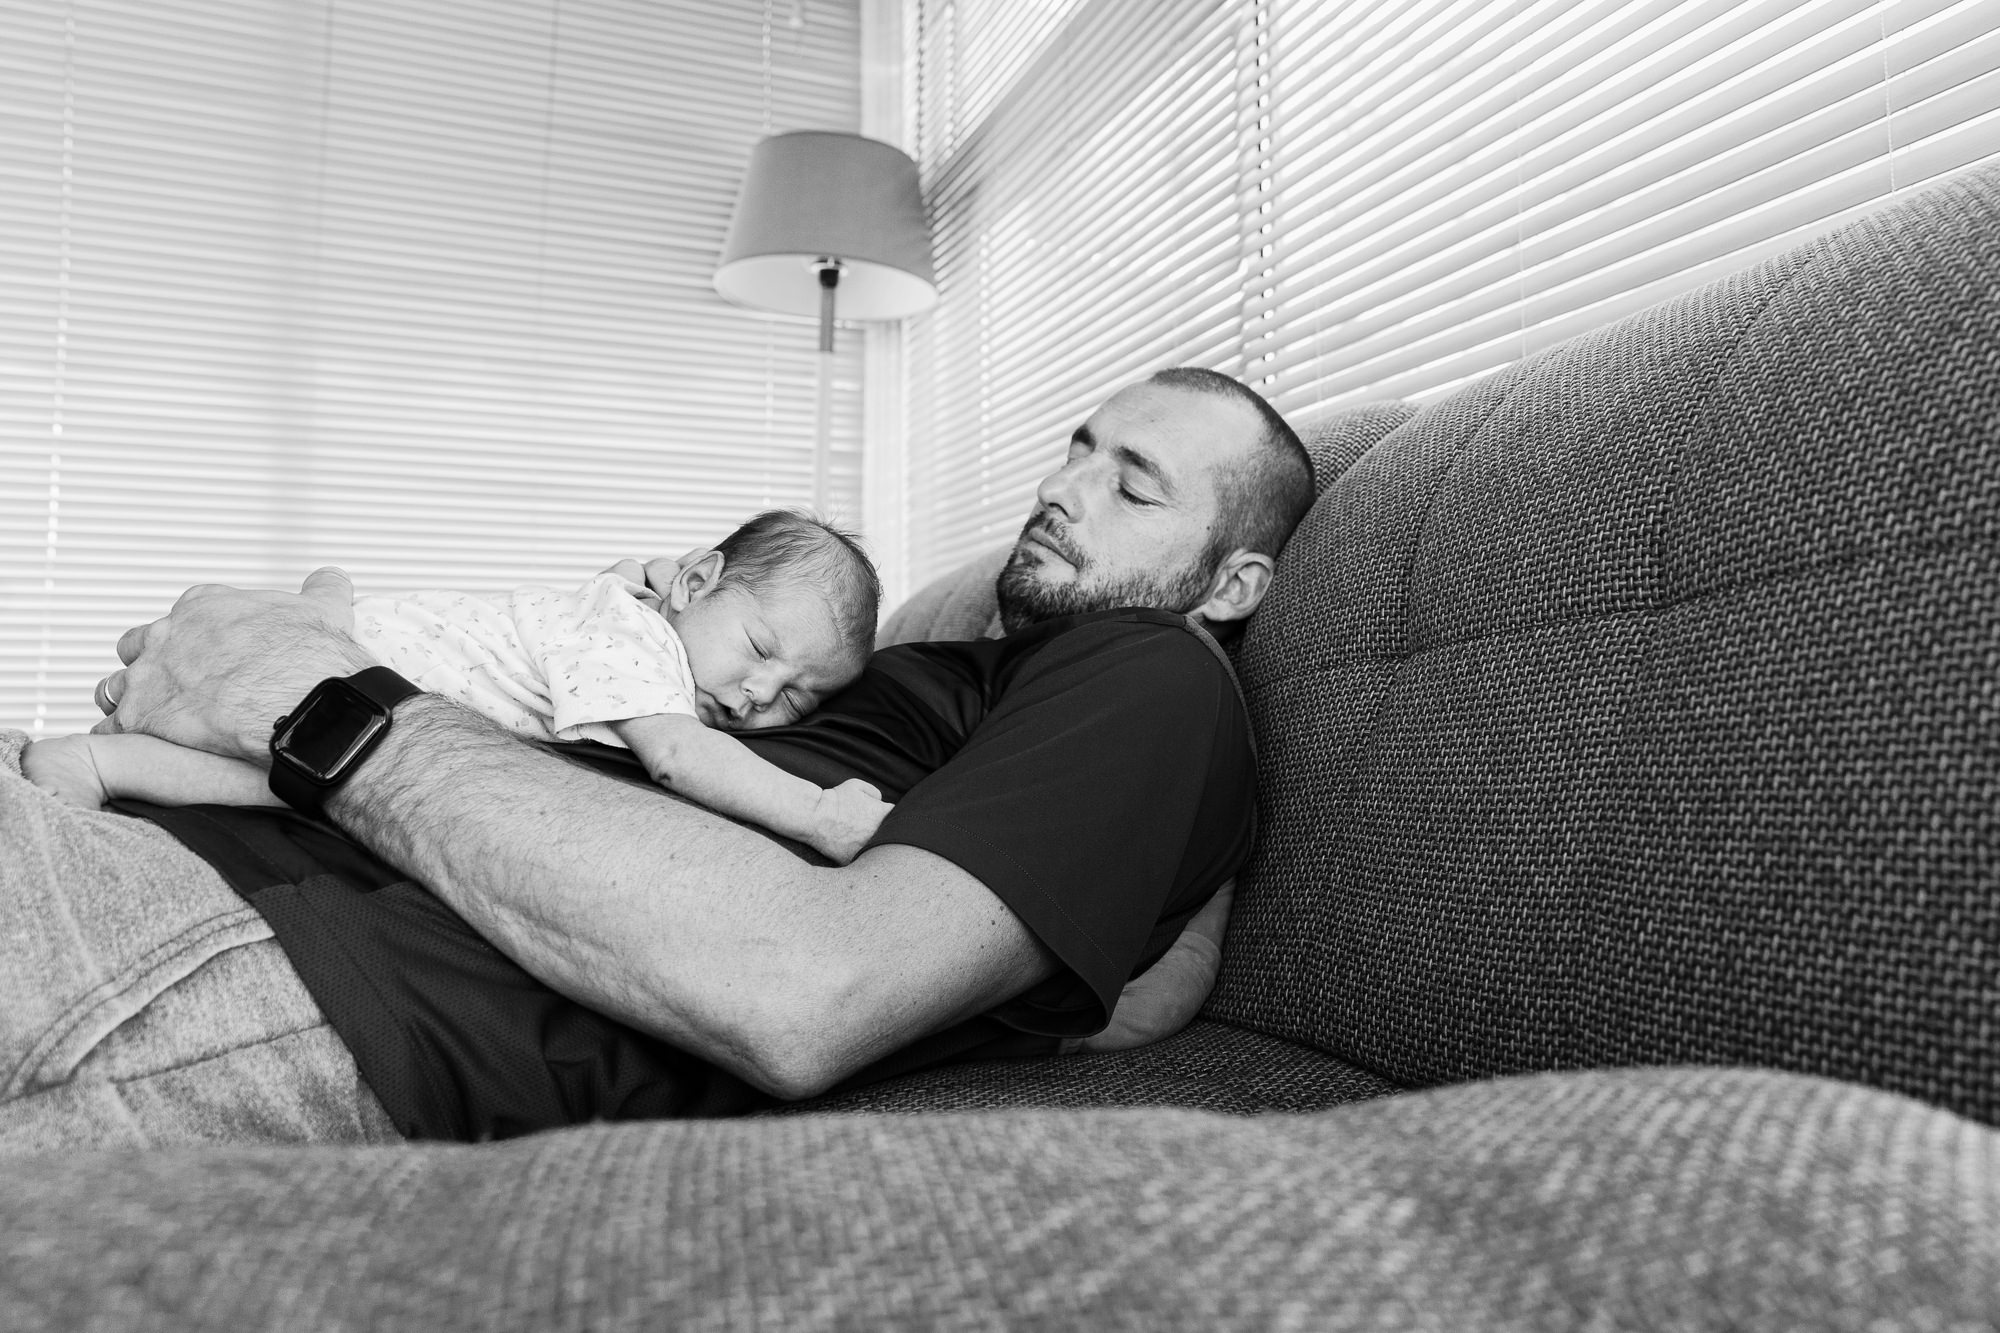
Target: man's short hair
(782, 548)
(1261, 499)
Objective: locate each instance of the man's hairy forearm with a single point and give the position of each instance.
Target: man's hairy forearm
(674, 920)
(653, 912)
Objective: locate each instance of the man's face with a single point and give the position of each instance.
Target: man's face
(1126, 520)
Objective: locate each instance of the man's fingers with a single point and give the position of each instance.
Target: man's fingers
(329, 583)
(199, 591)
(107, 692)
(133, 642)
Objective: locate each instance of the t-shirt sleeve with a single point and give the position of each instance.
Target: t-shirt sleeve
(605, 657)
(1110, 790)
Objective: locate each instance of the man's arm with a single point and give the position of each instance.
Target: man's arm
(681, 923)
(656, 913)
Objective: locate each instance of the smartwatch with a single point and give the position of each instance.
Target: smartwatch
(319, 744)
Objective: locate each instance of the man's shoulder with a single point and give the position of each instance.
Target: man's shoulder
(1129, 648)
(1168, 630)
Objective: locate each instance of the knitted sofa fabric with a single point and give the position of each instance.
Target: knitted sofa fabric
(1208, 1067)
(1335, 439)
(1687, 1199)
(1637, 704)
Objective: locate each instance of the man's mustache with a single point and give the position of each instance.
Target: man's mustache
(1052, 532)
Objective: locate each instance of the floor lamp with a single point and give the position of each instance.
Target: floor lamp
(827, 217)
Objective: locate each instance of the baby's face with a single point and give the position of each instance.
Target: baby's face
(762, 661)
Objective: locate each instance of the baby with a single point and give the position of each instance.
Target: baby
(664, 659)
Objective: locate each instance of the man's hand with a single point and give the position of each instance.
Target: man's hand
(218, 670)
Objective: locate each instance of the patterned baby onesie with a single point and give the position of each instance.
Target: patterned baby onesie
(545, 663)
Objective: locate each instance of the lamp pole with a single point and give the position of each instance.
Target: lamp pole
(849, 211)
(829, 280)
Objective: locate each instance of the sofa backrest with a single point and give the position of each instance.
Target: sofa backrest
(1641, 703)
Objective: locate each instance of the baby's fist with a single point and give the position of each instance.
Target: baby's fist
(63, 767)
(847, 817)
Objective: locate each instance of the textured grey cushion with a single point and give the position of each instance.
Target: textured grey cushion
(952, 607)
(1668, 1200)
(1335, 439)
(1636, 705)
(1208, 1067)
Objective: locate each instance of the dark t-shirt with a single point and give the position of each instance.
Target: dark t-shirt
(1095, 773)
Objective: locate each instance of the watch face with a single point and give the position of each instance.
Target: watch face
(328, 729)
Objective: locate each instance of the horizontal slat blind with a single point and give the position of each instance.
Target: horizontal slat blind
(1422, 191)
(1086, 230)
(1462, 183)
(419, 290)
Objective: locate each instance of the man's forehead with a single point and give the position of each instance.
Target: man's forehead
(1183, 431)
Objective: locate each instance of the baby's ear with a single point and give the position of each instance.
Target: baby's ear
(700, 575)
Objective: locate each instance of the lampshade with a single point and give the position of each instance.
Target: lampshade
(813, 195)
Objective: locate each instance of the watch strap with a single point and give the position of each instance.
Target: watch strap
(308, 793)
(382, 685)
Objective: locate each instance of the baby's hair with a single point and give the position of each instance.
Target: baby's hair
(783, 548)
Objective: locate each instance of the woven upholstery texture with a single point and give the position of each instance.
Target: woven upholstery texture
(1334, 438)
(1207, 1067)
(1637, 704)
(1636, 1199)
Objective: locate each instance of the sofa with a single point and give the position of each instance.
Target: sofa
(1621, 947)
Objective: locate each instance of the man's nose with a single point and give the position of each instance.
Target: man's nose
(1059, 492)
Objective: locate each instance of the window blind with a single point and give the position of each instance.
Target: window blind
(422, 291)
(1086, 227)
(1341, 200)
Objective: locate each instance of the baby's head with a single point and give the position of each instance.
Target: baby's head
(777, 617)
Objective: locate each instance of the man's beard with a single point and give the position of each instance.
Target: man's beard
(1026, 600)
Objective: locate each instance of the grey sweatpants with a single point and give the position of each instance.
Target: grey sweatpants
(143, 1003)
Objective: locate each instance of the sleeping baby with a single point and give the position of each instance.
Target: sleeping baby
(664, 659)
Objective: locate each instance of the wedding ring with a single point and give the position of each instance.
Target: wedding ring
(107, 702)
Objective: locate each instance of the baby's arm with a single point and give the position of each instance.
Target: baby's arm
(722, 773)
(89, 770)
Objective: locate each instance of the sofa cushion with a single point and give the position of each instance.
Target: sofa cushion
(1208, 1067)
(953, 607)
(1335, 437)
(1639, 1199)
(1636, 704)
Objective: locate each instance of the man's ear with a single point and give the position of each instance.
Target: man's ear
(1238, 586)
(701, 573)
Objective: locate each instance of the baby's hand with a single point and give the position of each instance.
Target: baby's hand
(846, 818)
(62, 766)
(634, 574)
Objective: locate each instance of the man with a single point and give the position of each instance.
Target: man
(581, 947)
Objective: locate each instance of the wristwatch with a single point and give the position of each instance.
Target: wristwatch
(319, 744)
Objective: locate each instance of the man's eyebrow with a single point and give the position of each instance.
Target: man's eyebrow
(1127, 456)
(1138, 462)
